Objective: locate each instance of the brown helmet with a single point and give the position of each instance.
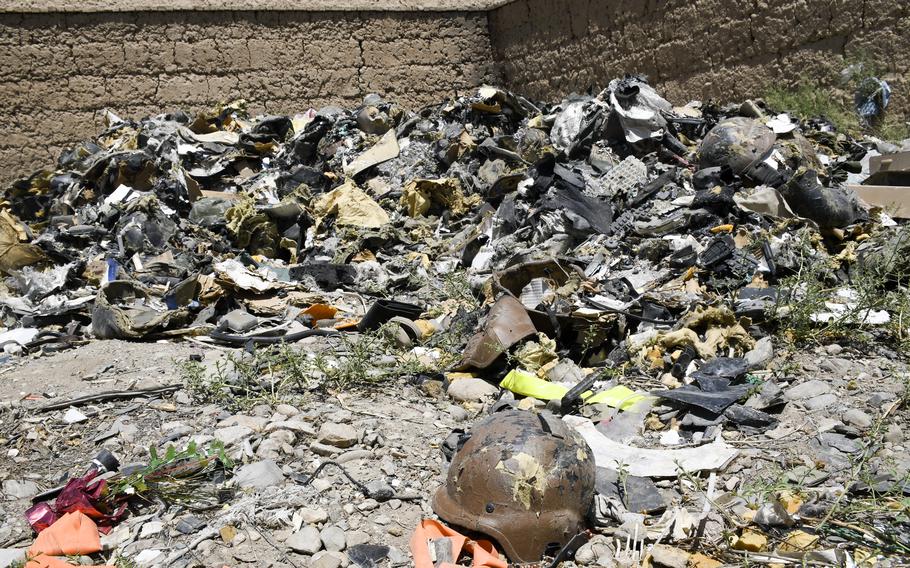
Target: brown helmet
(737, 142)
(523, 478)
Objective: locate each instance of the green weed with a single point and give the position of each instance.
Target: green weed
(814, 101)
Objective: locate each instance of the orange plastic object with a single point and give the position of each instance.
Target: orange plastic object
(72, 534)
(321, 312)
(483, 552)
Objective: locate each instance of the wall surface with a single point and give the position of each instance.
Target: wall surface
(62, 63)
(59, 71)
(698, 49)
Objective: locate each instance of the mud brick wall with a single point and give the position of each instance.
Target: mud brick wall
(721, 49)
(58, 71)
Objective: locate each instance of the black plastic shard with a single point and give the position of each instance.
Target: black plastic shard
(715, 402)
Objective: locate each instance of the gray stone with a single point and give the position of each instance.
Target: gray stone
(356, 538)
(232, 434)
(458, 413)
(314, 515)
(380, 490)
(368, 505)
(283, 436)
(287, 410)
(151, 528)
(269, 449)
(297, 426)
(9, 556)
(821, 401)
(333, 538)
(305, 541)
(325, 559)
(834, 349)
(259, 475)
(240, 321)
(894, 434)
(324, 449)
(761, 354)
(808, 389)
(839, 442)
(669, 556)
(255, 423)
(338, 435)
(20, 489)
(354, 455)
(858, 418)
(73, 416)
(837, 366)
(471, 390)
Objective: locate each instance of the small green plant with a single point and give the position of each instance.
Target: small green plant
(878, 285)
(176, 476)
(285, 373)
(121, 561)
(814, 101)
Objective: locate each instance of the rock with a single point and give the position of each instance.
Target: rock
(189, 525)
(807, 389)
(458, 413)
(750, 540)
(114, 539)
(287, 410)
(669, 556)
(313, 516)
(283, 436)
(296, 426)
(305, 541)
(798, 541)
(259, 475)
(699, 560)
(894, 434)
(354, 455)
(595, 552)
(148, 557)
(761, 354)
(471, 390)
(20, 489)
(254, 423)
(151, 528)
(324, 449)
(837, 366)
(356, 538)
(232, 434)
(333, 538)
(11, 556)
(269, 449)
(839, 442)
(338, 435)
(368, 505)
(73, 416)
(380, 490)
(821, 401)
(834, 349)
(857, 417)
(325, 559)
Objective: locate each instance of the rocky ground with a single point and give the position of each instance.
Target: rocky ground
(843, 422)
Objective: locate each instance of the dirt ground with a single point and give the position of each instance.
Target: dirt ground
(399, 427)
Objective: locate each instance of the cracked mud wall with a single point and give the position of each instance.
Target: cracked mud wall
(720, 49)
(59, 71)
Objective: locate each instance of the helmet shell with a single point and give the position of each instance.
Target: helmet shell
(524, 479)
(737, 142)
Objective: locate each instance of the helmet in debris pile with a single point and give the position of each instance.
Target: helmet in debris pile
(523, 478)
(737, 142)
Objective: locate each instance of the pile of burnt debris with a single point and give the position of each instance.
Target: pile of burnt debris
(606, 285)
